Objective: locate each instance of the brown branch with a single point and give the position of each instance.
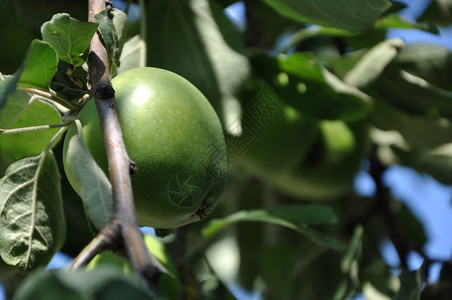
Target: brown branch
(383, 206)
(119, 164)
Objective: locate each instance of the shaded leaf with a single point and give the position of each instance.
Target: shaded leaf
(102, 283)
(133, 54)
(19, 112)
(357, 40)
(418, 132)
(307, 86)
(441, 290)
(436, 162)
(296, 217)
(31, 212)
(412, 226)
(196, 40)
(350, 267)
(328, 171)
(429, 61)
(259, 32)
(414, 94)
(7, 86)
(438, 12)
(69, 36)
(94, 186)
(67, 84)
(411, 284)
(353, 15)
(112, 29)
(38, 67)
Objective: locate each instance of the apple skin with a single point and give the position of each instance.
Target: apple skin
(176, 140)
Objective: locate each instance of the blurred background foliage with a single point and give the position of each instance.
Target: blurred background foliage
(310, 94)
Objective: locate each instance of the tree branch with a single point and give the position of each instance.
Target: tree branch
(118, 162)
(383, 206)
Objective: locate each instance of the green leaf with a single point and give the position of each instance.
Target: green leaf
(372, 64)
(196, 40)
(412, 226)
(353, 15)
(95, 188)
(101, 283)
(358, 40)
(350, 267)
(39, 66)
(133, 54)
(262, 33)
(435, 162)
(7, 86)
(31, 212)
(119, 19)
(296, 217)
(415, 130)
(397, 21)
(339, 149)
(411, 284)
(305, 84)
(19, 112)
(438, 12)
(67, 84)
(429, 61)
(414, 94)
(69, 36)
(112, 29)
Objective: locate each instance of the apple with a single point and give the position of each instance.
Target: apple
(176, 140)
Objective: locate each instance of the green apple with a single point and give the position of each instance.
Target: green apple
(176, 140)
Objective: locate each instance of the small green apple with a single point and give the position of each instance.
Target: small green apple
(176, 140)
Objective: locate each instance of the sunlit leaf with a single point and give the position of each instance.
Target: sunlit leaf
(133, 54)
(20, 112)
(38, 67)
(31, 212)
(70, 37)
(372, 64)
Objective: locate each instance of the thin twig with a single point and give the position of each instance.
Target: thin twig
(108, 238)
(33, 128)
(52, 97)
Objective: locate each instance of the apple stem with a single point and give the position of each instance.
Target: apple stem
(124, 225)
